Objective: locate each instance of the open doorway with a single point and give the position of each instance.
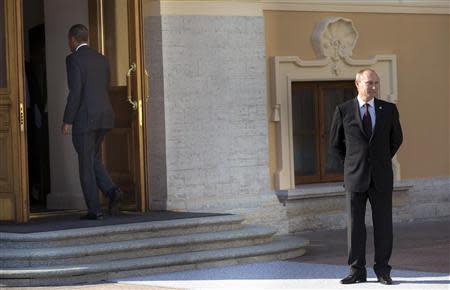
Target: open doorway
(53, 164)
(36, 104)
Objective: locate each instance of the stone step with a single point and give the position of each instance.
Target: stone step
(136, 248)
(280, 248)
(123, 232)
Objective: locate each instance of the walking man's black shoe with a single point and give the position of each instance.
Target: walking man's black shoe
(385, 279)
(355, 277)
(92, 216)
(114, 201)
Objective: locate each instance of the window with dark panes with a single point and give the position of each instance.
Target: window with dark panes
(313, 105)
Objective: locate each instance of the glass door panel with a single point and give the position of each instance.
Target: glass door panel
(331, 96)
(3, 75)
(304, 128)
(115, 25)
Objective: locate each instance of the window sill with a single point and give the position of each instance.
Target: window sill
(327, 190)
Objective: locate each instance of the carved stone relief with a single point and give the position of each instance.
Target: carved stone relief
(334, 38)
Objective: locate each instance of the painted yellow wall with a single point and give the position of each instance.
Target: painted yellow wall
(422, 45)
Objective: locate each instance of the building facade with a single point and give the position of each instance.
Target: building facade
(228, 124)
(223, 82)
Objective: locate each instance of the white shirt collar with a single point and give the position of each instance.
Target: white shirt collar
(361, 102)
(80, 45)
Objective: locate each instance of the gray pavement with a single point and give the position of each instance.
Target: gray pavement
(284, 275)
(422, 246)
(420, 260)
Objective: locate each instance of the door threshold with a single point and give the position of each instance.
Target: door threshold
(66, 212)
(55, 213)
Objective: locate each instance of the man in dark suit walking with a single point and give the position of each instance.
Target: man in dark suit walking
(366, 134)
(89, 114)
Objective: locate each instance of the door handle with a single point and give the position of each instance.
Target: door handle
(21, 117)
(133, 104)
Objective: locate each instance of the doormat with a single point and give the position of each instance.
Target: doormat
(72, 221)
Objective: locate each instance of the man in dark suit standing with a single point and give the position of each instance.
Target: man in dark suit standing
(366, 134)
(89, 114)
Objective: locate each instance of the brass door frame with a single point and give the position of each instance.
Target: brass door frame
(12, 100)
(136, 19)
(136, 56)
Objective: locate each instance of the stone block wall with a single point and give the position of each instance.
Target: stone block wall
(156, 122)
(212, 108)
(426, 198)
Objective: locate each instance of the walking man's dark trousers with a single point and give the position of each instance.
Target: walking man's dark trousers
(368, 175)
(90, 112)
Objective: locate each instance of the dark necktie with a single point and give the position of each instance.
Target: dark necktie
(367, 121)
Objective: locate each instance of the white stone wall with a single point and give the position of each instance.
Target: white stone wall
(156, 131)
(215, 115)
(215, 109)
(427, 198)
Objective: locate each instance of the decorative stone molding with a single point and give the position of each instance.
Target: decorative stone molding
(333, 64)
(360, 6)
(327, 190)
(256, 7)
(334, 38)
(203, 7)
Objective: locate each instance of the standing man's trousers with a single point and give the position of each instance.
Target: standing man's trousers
(381, 203)
(92, 171)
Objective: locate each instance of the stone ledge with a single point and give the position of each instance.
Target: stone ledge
(326, 190)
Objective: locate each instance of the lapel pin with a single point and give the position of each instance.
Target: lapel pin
(380, 107)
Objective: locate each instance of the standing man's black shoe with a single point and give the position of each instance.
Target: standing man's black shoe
(385, 279)
(355, 277)
(92, 216)
(114, 201)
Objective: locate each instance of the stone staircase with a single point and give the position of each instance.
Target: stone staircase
(96, 254)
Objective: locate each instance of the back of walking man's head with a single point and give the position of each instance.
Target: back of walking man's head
(78, 34)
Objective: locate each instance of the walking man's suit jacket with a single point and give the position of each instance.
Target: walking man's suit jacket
(88, 106)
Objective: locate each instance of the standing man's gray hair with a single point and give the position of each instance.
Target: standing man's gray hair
(361, 72)
(79, 32)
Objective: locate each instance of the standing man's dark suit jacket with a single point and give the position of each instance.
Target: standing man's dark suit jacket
(365, 158)
(88, 107)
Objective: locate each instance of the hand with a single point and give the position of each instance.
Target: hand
(66, 128)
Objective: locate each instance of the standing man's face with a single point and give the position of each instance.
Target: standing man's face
(368, 85)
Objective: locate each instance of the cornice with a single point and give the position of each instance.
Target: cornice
(256, 7)
(373, 6)
(202, 7)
